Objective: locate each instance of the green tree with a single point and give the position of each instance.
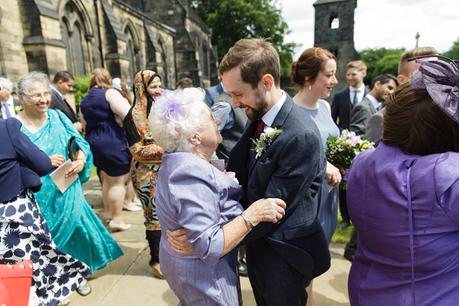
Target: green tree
(453, 52)
(231, 20)
(380, 61)
(81, 88)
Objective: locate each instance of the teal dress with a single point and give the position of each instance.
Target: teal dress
(74, 226)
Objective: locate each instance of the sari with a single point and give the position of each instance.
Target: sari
(73, 225)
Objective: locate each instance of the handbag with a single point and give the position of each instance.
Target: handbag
(15, 282)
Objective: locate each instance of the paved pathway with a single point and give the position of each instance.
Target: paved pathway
(128, 281)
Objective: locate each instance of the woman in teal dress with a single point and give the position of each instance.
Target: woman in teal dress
(74, 227)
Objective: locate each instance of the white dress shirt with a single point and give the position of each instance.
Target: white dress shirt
(10, 105)
(376, 104)
(360, 93)
(270, 115)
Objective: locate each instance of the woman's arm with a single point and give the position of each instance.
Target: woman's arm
(264, 210)
(118, 104)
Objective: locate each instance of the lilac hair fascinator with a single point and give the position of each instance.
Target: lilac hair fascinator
(172, 106)
(441, 80)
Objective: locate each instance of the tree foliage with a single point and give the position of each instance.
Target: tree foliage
(231, 20)
(380, 61)
(453, 52)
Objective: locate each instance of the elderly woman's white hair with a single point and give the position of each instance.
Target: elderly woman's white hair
(6, 84)
(26, 82)
(175, 117)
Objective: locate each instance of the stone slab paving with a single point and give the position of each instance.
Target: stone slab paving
(128, 280)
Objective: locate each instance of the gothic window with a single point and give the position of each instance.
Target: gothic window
(164, 64)
(73, 37)
(132, 53)
(205, 60)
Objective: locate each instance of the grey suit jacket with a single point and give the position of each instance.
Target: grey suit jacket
(374, 128)
(360, 115)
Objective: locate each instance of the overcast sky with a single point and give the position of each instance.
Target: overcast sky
(383, 23)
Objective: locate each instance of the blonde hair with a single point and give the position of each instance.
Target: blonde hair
(359, 65)
(101, 78)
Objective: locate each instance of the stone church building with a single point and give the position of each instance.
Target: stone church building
(123, 36)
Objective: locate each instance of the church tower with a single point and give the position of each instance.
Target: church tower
(334, 30)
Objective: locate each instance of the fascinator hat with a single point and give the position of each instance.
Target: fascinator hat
(440, 78)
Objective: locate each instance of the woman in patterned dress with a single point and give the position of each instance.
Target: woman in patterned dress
(24, 233)
(146, 157)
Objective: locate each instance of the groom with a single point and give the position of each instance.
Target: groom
(282, 258)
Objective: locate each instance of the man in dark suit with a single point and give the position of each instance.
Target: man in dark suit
(344, 101)
(381, 87)
(282, 258)
(9, 107)
(62, 85)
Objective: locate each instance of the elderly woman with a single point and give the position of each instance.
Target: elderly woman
(194, 195)
(23, 231)
(403, 197)
(74, 226)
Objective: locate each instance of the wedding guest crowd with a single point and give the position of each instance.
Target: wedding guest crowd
(275, 193)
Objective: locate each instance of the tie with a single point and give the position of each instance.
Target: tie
(260, 128)
(7, 111)
(355, 99)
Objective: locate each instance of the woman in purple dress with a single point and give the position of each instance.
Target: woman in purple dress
(195, 196)
(403, 197)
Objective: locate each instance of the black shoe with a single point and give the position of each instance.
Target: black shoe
(242, 268)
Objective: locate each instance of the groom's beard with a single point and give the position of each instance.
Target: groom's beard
(260, 109)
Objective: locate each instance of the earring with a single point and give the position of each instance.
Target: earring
(309, 87)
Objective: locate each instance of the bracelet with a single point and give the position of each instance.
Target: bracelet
(247, 222)
(82, 159)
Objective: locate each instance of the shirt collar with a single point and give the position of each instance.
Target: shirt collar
(57, 91)
(270, 115)
(360, 89)
(373, 101)
(9, 102)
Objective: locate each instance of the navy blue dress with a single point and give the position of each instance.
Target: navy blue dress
(106, 137)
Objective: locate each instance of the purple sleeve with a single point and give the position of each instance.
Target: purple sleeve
(447, 184)
(198, 212)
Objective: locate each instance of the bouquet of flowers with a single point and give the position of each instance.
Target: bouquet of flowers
(343, 149)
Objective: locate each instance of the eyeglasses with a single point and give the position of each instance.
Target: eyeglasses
(455, 62)
(36, 97)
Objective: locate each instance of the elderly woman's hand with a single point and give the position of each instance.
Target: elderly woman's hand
(265, 210)
(332, 175)
(178, 241)
(76, 167)
(56, 160)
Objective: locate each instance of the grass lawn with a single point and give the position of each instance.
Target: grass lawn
(342, 235)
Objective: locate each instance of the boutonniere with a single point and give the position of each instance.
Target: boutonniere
(17, 109)
(265, 140)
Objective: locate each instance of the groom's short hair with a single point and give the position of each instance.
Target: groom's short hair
(256, 57)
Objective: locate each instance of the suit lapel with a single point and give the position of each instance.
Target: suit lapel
(277, 123)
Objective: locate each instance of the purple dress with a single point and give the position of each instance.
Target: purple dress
(194, 195)
(107, 139)
(406, 212)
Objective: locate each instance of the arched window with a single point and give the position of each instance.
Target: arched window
(334, 22)
(73, 35)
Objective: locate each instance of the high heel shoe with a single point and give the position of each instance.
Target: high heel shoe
(113, 227)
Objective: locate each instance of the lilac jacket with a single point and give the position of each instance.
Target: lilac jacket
(406, 212)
